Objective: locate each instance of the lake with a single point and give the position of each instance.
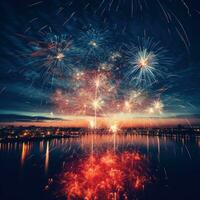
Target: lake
(101, 167)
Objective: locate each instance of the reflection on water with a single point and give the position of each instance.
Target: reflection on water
(47, 157)
(25, 150)
(108, 175)
(92, 166)
(41, 146)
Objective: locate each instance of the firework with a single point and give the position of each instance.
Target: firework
(156, 107)
(115, 56)
(53, 56)
(105, 66)
(91, 91)
(138, 5)
(94, 90)
(147, 62)
(94, 94)
(92, 43)
(127, 106)
(162, 8)
(78, 75)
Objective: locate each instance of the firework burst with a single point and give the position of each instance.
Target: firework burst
(156, 108)
(148, 63)
(92, 92)
(93, 43)
(92, 86)
(53, 56)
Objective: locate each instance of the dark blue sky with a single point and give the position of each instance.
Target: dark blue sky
(25, 89)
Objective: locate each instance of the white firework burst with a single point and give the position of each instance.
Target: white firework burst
(147, 62)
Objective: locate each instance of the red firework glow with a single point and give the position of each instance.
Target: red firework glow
(105, 176)
(96, 93)
(91, 90)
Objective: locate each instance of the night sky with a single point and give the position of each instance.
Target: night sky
(30, 78)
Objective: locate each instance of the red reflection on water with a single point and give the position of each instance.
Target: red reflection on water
(105, 176)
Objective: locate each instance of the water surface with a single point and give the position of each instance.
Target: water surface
(102, 167)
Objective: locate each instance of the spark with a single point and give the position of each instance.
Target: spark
(93, 43)
(35, 4)
(79, 75)
(97, 83)
(128, 106)
(136, 96)
(97, 104)
(60, 56)
(145, 60)
(158, 106)
(115, 56)
(150, 110)
(162, 9)
(105, 66)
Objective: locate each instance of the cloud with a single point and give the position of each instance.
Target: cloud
(24, 118)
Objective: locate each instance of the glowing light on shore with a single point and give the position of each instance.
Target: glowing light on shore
(114, 128)
(92, 123)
